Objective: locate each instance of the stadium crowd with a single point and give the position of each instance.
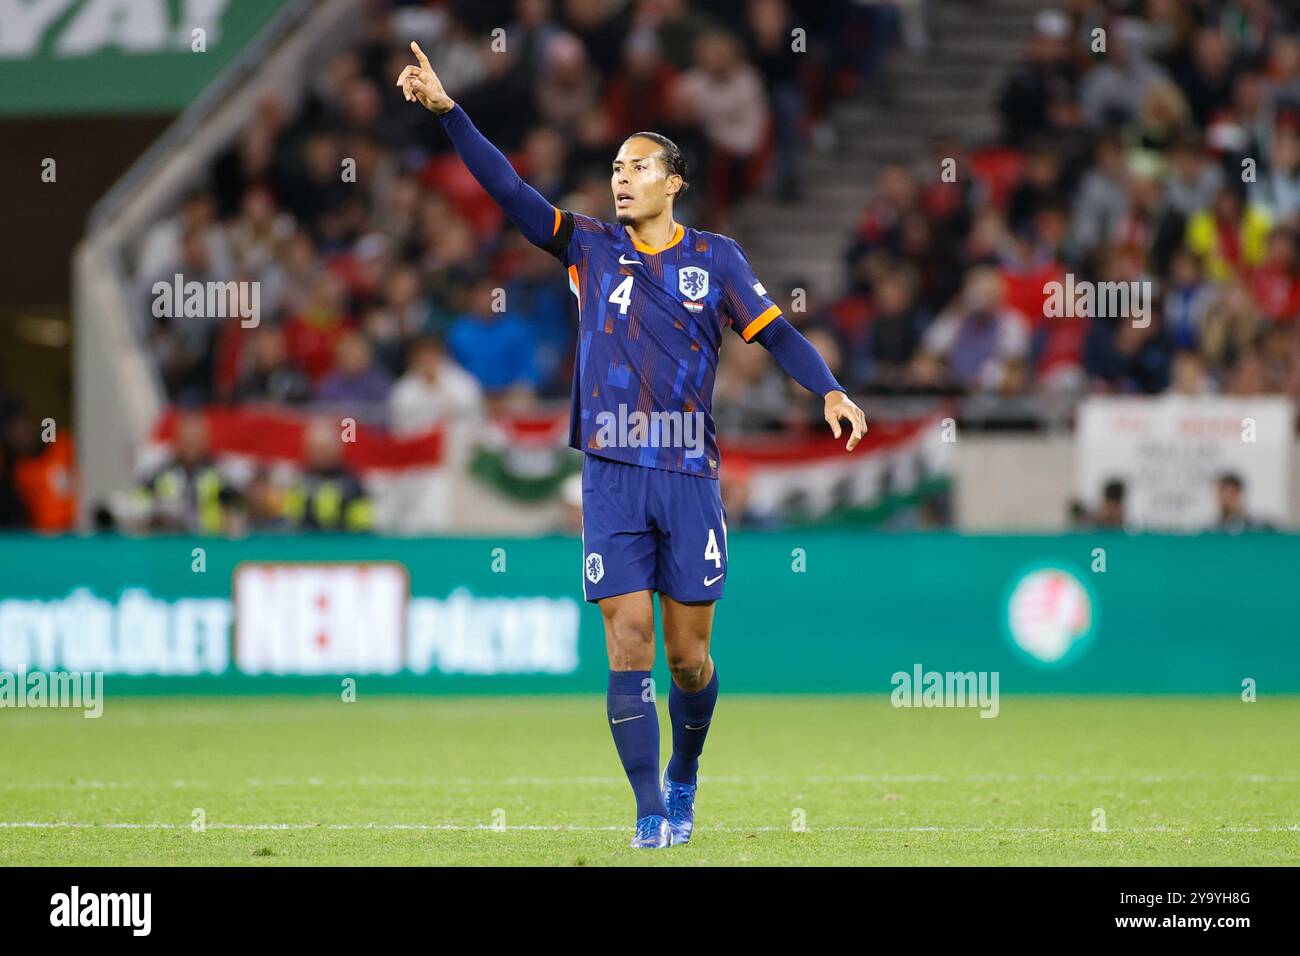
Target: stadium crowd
(391, 287)
(1151, 142)
(1170, 159)
(354, 270)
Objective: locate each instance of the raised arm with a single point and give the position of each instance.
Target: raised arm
(536, 218)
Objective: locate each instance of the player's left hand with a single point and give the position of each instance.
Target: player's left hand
(838, 406)
(419, 84)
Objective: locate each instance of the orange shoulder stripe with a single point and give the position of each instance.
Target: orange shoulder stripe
(760, 323)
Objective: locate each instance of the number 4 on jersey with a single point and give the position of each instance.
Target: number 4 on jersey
(622, 295)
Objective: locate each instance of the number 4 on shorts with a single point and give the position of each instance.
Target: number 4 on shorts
(711, 552)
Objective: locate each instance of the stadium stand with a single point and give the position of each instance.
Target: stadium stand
(1170, 160)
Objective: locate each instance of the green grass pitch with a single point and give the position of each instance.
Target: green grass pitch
(535, 780)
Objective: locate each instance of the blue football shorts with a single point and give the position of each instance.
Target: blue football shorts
(651, 529)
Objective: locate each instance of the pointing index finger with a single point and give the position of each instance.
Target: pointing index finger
(419, 55)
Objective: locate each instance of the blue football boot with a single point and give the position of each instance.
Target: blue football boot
(652, 832)
(680, 800)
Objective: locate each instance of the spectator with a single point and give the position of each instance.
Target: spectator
(599, 24)
(186, 492)
(1189, 376)
(250, 161)
(41, 473)
(1232, 325)
(258, 507)
(1247, 376)
(257, 234)
(894, 332)
(1163, 120)
(1102, 200)
(1229, 238)
(1040, 187)
(540, 292)
(977, 338)
(435, 390)
(1126, 357)
(269, 375)
(1282, 93)
(496, 347)
(569, 84)
(529, 34)
(313, 334)
(727, 95)
(290, 279)
(1045, 76)
(769, 26)
(1230, 495)
(312, 188)
(1207, 80)
(1187, 300)
(1115, 89)
(881, 227)
(406, 304)
(1026, 266)
(161, 250)
(1144, 230)
(355, 378)
(543, 161)
(676, 26)
(1110, 514)
(1194, 180)
(1278, 191)
(1280, 354)
(637, 98)
(184, 343)
(749, 395)
(1274, 285)
(1235, 133)
(327, 495)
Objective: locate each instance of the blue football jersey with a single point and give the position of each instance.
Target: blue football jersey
(650, 323)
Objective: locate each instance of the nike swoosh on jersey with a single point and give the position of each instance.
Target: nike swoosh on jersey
(628, 262)
(624, 720)
(709, 582)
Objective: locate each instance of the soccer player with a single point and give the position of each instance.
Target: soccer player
(654, 298)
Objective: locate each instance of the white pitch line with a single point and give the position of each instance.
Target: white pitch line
(564, 827)
(723, 780)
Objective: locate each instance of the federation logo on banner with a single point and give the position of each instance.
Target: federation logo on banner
(320, 618)
(1050, 616)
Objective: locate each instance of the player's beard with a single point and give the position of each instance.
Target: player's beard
(626, 219)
